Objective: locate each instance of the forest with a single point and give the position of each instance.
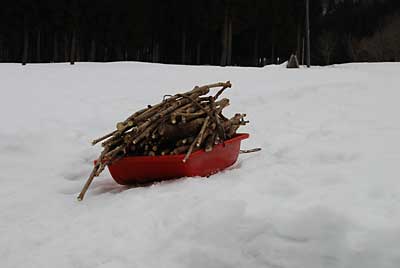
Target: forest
(208, 32)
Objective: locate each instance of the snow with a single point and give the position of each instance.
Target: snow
(324, 192)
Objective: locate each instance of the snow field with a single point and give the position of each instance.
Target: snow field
(324, 192)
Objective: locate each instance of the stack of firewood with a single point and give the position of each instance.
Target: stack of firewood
(180, 124)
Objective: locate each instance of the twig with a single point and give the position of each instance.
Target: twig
(250, 151)
(210, 142)
(228, 85)
(195, 140)
(88, 182)
(104, 137)
(203, 129)
(94, 173)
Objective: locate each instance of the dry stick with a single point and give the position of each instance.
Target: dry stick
(143, 134)
(132, 135)
(133, 116)
(220, 129)
(209, 131)
(228, 85)
(190, 114)
(190, 117)
(235, 120)
(222, 116)
(142, 117)
(210, 142)
(194, 142)
(114, 151)
(114, 142)
(184, 141)
(212, 114)
(100, 169)
(92, 175)
(109, 160)
(146, 132)
(201, 134)
(104, 137)
(151, 110)
(188, 110)
(191, 109)
(219, 104)
(177, 111)
(88, 182)
(230, 126)
(194, 101)
(250, 151)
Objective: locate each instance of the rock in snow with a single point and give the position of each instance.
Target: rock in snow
(324, 192)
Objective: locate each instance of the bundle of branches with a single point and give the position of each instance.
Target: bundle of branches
(180, 124)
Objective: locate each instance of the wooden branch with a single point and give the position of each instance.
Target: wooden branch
(88, 182)
(227, 85)
(93, 174)
(103, 138)
(201, 134)
(145, 132)
(219, 106)
(220, 129)
(195, 140)
(210, 142)
(250, 151)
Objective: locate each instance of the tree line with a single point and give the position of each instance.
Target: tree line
(214, 32)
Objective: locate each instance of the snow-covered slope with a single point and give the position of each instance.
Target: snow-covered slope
(324, 192)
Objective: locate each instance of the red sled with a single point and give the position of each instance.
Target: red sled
(146, 169)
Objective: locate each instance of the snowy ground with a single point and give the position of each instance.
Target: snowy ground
(324, 192)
